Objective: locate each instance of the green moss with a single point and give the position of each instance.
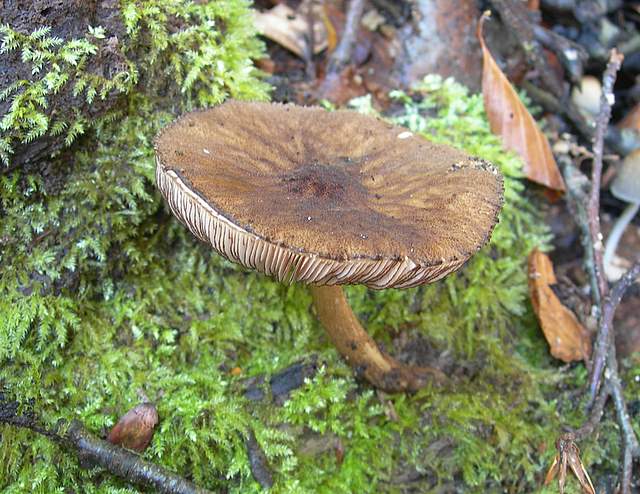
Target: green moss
(104, 294)
(203, 49)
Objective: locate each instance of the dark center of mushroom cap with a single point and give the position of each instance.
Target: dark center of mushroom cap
(330, 183)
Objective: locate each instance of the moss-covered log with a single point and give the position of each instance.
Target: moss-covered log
(93, 57)
(67, 65)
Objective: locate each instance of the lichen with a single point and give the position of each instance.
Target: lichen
(104, 295)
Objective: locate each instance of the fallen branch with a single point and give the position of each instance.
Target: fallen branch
(125, 464)
(93, 451)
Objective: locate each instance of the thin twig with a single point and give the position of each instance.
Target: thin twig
(612, 375)
(577, 198)
(605, 301)
(613, 383)
(629, 440)
(342, 54)
(597, 410)
(623, 284)
(602, 122)
(605, 349)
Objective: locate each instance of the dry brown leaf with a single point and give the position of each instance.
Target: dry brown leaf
(568, 339)
(332, 37)
(510, 119)
(569, 456)
(289, 28)
(135, 428)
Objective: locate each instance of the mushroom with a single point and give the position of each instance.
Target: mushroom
(625, 187)
(587, 96)
(329, 198)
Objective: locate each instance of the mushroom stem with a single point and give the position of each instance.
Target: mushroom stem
(360, 350)
(616, 233)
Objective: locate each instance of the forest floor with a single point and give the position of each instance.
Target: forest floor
(113, 314)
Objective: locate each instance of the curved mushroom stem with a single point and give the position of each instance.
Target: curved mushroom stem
(360, 350)
(617, 231)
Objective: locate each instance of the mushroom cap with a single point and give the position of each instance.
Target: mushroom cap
(626, 185)
(586, 96)
(304, 194)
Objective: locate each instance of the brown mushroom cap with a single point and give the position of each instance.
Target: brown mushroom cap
(322, 197)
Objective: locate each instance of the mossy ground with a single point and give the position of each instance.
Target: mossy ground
(104, 295)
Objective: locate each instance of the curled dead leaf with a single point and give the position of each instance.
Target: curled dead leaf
(135, 428)
(569, 456)
(332, 37)
(289, 28)
(511, 120)
(568, 339)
